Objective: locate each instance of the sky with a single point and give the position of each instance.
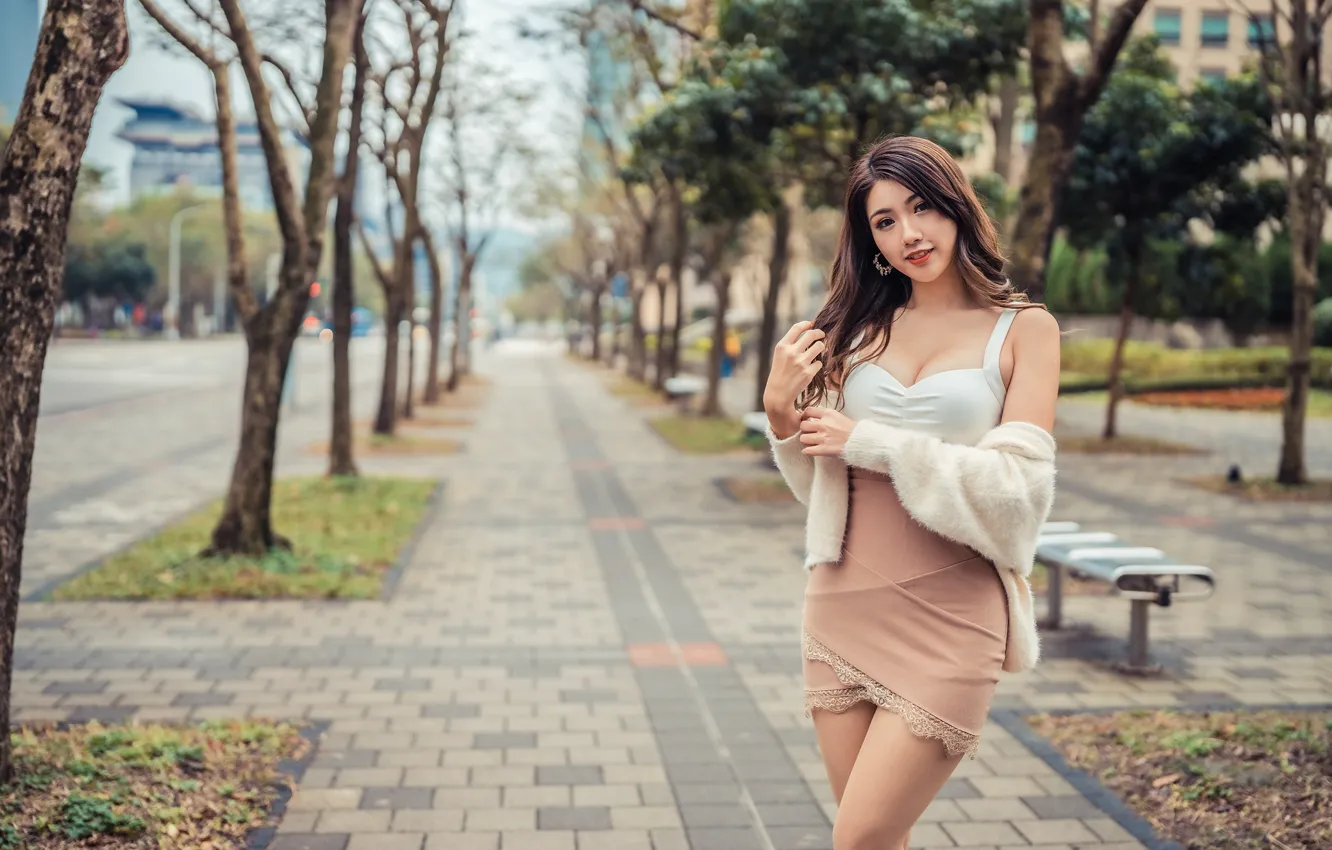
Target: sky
(555, 77)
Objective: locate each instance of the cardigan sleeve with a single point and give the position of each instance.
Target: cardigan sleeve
(794, 465)
(993, 496)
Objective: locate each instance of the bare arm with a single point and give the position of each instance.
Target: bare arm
(1033, 388)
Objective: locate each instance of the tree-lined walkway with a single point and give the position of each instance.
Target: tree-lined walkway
(591, 646)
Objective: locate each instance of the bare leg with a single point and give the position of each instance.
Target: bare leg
(893, 779)
(840, 736)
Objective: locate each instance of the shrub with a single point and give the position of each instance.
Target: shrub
(1323, 323)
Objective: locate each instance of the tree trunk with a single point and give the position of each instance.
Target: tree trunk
(1115, 380)
(82, 43)
(595, 318)
(410, 310)
(387, 415)
(1047, 174)
(246, 526)
(712, 404)
(663, 352)
(340, 456)
(677, 275)
(781, 239)
(1305, 234)
(637, 333)
(436, 319)
(1004, 121)
(1062, 100)
(461, 304)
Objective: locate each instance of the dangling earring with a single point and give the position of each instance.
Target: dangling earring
(883, 267)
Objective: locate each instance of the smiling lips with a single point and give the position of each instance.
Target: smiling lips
(918, 257)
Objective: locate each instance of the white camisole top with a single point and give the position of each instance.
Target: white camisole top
(957, 405)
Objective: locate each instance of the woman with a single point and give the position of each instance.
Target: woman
(913, 418)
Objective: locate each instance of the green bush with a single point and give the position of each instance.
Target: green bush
(1323, 323)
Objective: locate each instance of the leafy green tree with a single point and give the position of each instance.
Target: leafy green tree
(791, 91)
(112, 268)
(1148, 157)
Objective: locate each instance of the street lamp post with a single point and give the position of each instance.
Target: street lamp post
(172, 318)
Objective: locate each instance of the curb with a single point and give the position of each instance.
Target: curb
(290, 772)
(434, 510)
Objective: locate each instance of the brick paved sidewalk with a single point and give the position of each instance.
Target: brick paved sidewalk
(592, 648)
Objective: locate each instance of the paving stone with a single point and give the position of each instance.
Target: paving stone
(407, 841)
(615, 839)
(523, 840)
(1058, 807)
(197, 700)
(450, 710)
(397, 798)
(309, 842)
(464, 841)
(645, 817)
(437, 820)
(569, 775)
(76, 687)
(1048, 831)
(574, 818)
(353, 821)
(504, 740)
(728, 838)
(499, 820)
(982, 834)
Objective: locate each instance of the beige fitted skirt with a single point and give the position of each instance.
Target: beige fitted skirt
(909, 621)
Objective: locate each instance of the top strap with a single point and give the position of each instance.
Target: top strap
(996, 344)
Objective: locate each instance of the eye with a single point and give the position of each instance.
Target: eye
(883, 223)
(921, 207)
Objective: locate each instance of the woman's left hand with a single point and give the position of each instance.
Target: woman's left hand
(824, 431)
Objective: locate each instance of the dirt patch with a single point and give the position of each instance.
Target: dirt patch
(1266, 489)
(140, 787)
(763, 489)
(1125, 444)
(1242, 780)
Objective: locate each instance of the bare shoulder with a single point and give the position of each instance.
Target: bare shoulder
(1036, 324)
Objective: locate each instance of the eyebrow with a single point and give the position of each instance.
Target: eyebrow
(914, 197)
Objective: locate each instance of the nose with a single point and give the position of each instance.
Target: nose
(910, 233)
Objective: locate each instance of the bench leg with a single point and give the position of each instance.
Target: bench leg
(1138, 634)
(1054, 597)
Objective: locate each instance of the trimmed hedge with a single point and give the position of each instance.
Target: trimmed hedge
(1151, 366)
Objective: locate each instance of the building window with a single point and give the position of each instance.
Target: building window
(1260, 30)
(1215, 29)
(1167, 26)
(1212, 76)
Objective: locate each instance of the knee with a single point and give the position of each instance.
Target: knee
(849, 835)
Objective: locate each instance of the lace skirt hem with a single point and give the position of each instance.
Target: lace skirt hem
(861, 688)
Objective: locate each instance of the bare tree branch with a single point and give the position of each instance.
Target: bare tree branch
(307, 112)
(664, 18)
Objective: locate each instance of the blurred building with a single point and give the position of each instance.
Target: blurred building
(175, 148)
(19, 25)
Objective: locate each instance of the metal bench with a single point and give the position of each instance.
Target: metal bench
(1142, 574)
(756, 423)
(681, 389)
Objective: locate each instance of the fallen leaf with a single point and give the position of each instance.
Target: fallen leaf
(1168, 779)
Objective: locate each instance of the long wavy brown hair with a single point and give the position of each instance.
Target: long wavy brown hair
(862, 300)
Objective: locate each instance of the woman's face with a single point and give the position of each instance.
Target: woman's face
(916, 240)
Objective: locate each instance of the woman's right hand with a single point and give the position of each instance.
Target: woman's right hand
(794, 364)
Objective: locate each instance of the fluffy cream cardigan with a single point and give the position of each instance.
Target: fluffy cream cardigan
(992, 497)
